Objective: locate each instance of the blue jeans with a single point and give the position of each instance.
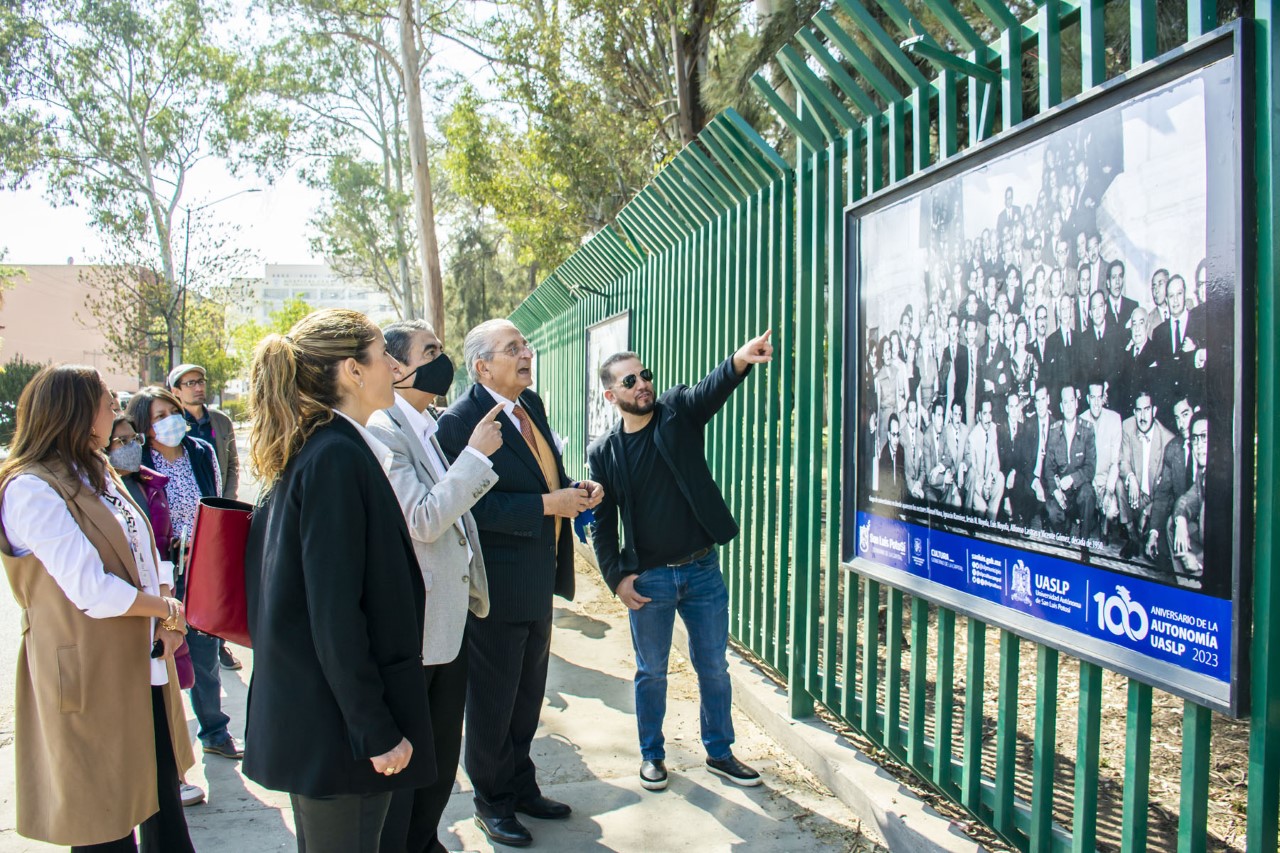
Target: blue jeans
(698, 593)
(206, 693)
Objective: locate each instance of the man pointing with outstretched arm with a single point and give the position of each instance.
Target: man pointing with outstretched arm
(655, 478)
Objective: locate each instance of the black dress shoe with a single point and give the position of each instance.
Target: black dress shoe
(505, 830)
(543, 808)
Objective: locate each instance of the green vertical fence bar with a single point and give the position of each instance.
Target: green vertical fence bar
(789, 254)
(944, 703)
(1006, 735)
(1137, 769)
(1197, 723)
(1264, 721)
(971, 779)
(919, 685)
(1084, 818)
(893, 675)
(833, 411)
(1042, 760)
(1142, 31)
(870, 656)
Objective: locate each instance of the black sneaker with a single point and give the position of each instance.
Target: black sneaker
(228, 660)
(734, 770)
(653, 775)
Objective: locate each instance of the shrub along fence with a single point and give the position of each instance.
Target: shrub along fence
(731, 237)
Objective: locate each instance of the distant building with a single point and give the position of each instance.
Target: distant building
(45, 319)
(316, 284)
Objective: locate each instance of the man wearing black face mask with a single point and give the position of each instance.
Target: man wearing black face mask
(436, 500)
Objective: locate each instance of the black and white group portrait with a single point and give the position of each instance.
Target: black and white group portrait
(1046, 342)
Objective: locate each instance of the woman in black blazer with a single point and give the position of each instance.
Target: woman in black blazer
(338, 704)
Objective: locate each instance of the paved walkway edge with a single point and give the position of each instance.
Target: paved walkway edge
(905, 822)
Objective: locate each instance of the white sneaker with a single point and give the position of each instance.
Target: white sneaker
(192, 795)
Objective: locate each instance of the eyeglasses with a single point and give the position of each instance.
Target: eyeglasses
(125, 440)
(513, 349)
(1200, 436)
(193, 383)
(629, 381)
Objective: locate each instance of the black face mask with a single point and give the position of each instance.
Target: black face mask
(434, 377)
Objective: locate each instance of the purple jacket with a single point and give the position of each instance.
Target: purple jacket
(147, 487)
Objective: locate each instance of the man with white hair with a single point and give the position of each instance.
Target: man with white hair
(527, 540)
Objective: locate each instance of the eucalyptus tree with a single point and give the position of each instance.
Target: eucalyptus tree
(115, 103)
(391, 35)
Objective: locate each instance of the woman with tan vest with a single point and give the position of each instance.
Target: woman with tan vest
(100, 733)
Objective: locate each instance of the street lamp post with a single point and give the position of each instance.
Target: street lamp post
(186, 253)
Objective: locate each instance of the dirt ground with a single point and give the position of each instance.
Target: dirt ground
(1228, 755)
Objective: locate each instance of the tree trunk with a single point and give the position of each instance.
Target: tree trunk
(690, 46)
(423, 205)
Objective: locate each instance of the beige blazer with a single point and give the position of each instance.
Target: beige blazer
(85, 739)
(433, 508)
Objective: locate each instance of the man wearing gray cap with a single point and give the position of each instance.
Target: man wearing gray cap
(214, 426)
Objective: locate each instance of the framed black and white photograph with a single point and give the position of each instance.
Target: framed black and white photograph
(1049, 419)
(610, 335)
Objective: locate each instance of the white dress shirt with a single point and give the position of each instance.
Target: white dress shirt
(510, 408)
(425, 427)
(37, 521)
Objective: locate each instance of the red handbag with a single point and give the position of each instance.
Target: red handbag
(216, 602)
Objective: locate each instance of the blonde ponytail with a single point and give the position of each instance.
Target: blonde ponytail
(293, 386)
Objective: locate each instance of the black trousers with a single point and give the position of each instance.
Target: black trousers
(349, 823)
(166, 830)
(413, 821)
(508, 678)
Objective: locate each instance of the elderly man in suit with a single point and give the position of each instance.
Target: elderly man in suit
(1070, 465)
(982, 460)
(527, 539)
(1141, 452)
(436, 499)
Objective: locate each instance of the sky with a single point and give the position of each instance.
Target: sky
(273, 220)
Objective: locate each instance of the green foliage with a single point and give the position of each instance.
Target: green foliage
(115, 102)
(364, 231)
(237, 409)
(14, 376)
(244, 338)
(208, 344)
(598, 106)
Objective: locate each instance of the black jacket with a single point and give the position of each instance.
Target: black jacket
(335, 611)
(524, 562)
(682, 414)
(203, 462)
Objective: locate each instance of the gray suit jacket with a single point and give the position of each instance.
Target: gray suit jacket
(432, 509)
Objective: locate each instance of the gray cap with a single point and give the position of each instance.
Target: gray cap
(181, 370)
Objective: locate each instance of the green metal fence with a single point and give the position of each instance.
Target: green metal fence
(731, 238)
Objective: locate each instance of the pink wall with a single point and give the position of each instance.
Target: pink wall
(45, 320)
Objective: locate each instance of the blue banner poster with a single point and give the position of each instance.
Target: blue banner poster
(1178, 626)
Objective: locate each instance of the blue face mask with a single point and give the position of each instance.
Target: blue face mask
(171, 430)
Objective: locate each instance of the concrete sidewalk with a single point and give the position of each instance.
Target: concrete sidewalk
(587, 756)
